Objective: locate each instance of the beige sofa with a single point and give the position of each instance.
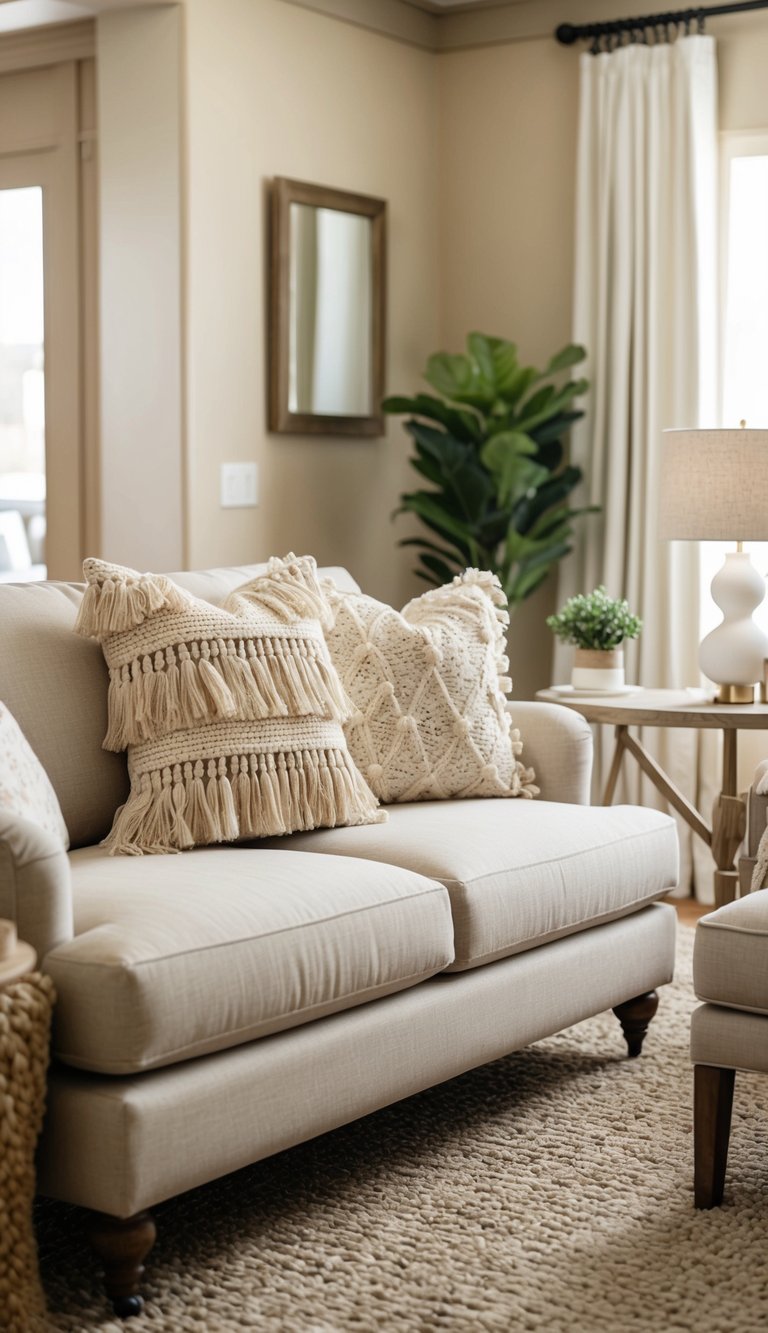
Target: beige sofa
(222, 1005)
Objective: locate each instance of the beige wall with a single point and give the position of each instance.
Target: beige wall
(278, 90)
(139, 120)
(507, 123)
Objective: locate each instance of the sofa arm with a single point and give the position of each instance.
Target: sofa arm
(557, 743)
(35, 883)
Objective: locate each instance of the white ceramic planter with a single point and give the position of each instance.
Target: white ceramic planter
(594, 669)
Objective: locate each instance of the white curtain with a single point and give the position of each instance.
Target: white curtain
(644, 307)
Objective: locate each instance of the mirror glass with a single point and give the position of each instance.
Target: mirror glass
(327, 310)
(330, 324)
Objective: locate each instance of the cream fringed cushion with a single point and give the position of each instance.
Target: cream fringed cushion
(232, 715)
(428, 685)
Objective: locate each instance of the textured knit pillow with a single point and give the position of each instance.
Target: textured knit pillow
(428, 684)
(232, 715)
(25, 788)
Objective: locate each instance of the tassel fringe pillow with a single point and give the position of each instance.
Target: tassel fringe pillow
(232, 716)
(428, 685)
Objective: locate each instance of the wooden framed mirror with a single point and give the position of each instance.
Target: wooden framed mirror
(327, 311)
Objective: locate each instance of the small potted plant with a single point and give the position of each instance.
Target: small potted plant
(597, 625)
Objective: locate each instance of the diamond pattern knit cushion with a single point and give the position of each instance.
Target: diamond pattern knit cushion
(232, 715)
(428, 684)
(25, 788)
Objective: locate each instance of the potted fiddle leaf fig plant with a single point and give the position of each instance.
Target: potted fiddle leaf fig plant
(597, 625)
(490, 444)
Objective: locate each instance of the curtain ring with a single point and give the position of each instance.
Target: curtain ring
(702, 23)
(595, 47)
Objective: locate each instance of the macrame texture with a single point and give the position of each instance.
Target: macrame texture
(231, 715)
(176, 662)
(25, 1021)
(428, 685)
(233, 780)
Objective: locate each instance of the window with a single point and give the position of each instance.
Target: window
(744, 327)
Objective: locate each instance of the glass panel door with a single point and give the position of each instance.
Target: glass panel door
(22, 385)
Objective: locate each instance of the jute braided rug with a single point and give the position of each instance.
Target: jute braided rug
(551, 1190)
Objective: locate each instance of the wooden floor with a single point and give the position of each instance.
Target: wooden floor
(689, 910)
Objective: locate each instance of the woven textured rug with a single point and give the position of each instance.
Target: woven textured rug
(551, 1190)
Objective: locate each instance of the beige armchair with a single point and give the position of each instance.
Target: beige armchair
(729, 1031)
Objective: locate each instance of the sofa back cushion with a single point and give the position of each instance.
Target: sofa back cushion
(55, 683)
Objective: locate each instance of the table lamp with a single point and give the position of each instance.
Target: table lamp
(714, 487)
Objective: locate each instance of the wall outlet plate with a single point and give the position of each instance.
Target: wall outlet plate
(239, 485)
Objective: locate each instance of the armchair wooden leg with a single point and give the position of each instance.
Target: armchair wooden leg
(634, 1016)
(122, 1244)
(712, 1103)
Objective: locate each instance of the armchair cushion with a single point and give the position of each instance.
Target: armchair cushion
(730, 959)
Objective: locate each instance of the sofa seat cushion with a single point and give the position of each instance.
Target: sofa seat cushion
(730, 957)
(520, 873)
(178, 956)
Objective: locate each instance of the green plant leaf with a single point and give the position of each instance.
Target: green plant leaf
(460, 469)
(488, 441)
(438, 550)
(549, 432)
(459, 379)
(480, 348)
(443, 573)
(463, 425)
(434, 514)
(528, 421)
(572, 355)
(507, 456)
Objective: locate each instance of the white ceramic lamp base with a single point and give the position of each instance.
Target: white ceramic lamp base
(733, 654)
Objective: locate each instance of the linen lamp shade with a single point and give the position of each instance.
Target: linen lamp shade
(714, 487)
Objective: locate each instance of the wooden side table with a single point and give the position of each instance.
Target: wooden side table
(680, 708)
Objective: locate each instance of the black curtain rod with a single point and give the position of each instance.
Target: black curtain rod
(567, 33)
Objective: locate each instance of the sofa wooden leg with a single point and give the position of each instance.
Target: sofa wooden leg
(122, 1244)
(634, 1016)
(712, 1103)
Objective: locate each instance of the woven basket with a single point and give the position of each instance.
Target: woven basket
(25, 1022)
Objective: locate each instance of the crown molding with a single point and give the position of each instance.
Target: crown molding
(31, 47)
(489, 24)
(391, 18)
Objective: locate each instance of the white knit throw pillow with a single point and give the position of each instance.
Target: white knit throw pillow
(232, 715)
(25, 788)
(428, 684)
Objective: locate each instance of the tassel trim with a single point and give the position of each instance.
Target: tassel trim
(250, 679)
(120, 599)
(460, 599)
(290, 589)
(240, 796)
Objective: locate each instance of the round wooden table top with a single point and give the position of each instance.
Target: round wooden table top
(663, 708)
